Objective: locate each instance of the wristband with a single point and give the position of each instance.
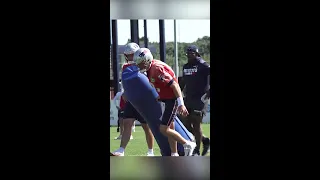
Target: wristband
(180, 101)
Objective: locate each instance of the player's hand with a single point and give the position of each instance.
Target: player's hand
(183, 110)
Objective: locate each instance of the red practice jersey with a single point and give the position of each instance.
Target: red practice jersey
(161, 76)
(122, 102)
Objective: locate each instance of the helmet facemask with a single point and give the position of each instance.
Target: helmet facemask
(129, 58)
(144, 65)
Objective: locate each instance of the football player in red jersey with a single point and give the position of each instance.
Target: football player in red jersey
(163, 79)
(131, 114)
(119, 101)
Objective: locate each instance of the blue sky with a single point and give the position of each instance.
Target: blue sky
(187, 30)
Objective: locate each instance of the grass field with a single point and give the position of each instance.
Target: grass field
(138, 146)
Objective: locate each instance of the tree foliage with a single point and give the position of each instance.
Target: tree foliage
(202, 43)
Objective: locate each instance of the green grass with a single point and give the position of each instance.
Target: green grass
(138, 146)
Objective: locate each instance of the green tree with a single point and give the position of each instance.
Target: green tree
(203, 44)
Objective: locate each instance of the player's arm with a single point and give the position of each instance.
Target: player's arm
(165, 77)
(207, 75)
(177, 92)
(124, 96)
(183, 84)
(184, 92)
(117, 97)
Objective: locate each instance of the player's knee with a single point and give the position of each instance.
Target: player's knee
(197, 131)
(163, 128)
(128, 123)
(145, 127)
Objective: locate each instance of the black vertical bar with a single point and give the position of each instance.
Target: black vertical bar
(162, 41)
(110, 33)
(115, 61)
(145, 33)
(134, 31)
(110, 50)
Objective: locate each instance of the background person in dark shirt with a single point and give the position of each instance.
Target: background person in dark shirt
(196, 83)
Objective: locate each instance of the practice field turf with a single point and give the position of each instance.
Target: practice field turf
(138, 146)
